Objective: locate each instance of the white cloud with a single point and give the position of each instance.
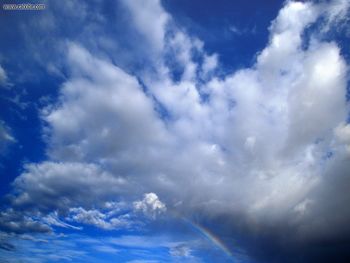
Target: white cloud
(5, 137)
(255, 148)
(336, 14)
(61, 185)
(107, 249)
(123, 115)
(180, 251)
(318, 99)
(3, 76)
(52, 219)
(285, 41)
(43, 248)
(150, 19)
(342, 133)
(150, 205)
(145, 242)
(235, 30)
(210, 63)
(97, 218)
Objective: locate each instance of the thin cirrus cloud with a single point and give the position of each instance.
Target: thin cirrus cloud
(265, 147)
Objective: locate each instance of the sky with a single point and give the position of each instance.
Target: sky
(175, 131)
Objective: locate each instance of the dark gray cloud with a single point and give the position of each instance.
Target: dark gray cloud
(17, 222)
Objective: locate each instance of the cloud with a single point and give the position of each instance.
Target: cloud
(342, 134)
(17, 222)
(262, 146)
(107, 131)
(6, 246)
(3, 76)
(98, 219)
(336, 14)
(5, 137)
(177, 248)
(107, 249)
(62, 185)
(51, 248)
(150, 205)
(150, 19)
(52, 219)
(210, 63)
(180, 251)
(100, 89)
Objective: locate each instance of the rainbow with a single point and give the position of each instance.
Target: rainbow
(210, 236)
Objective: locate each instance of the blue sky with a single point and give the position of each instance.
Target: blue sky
(175, 131)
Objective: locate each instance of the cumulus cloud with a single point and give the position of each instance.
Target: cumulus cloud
(105, 117)
(150, 20)
(63, 185)
(150, 205)
(342, 133)
(253, 145)
(123, 115)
